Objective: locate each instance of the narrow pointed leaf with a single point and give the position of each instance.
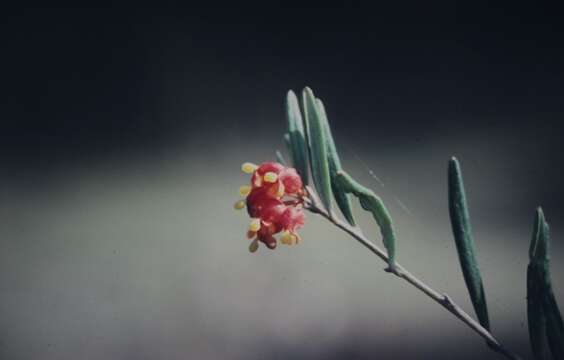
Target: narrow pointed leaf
(535, 314)
(460, 221)
(372, 203)
(539, 248)
(554, 323)
(342, 198)
(280, 158)
(288, 144)
(549, 314)
(296, 137)
(317, 142)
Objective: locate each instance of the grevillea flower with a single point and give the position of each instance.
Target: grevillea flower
(274, 202)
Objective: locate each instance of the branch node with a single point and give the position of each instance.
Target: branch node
(448, 302)
(392, 268)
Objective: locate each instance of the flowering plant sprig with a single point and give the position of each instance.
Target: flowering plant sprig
(277, 196)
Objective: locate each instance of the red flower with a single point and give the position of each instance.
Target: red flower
(274, 202)
(292, 181)
(292, 219)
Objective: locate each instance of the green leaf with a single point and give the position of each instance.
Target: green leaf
(538, 249)
(542, 306)
(535, 315)
(554, 324)
(280, 158)
(460, 221)
(288, 144)
(317, 141)
(343, 199)
(296, 137)
(372, 203)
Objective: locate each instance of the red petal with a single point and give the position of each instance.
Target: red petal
(270, 167)
(292, 219)
(291, 180)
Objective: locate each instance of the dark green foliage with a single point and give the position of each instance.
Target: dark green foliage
(554, 323)
(371, 202)
(317, 141)
(296, 138)
(343, 199)
(543, 315)
(535, 315)
(460, 221)
(288, 144)
(280, 158)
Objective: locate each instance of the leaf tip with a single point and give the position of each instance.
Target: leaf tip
(453, 164)
(290, 95)
(538, 249)
(539, 213)
(308, 92)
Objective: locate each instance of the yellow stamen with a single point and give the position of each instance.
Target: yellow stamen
(258, 181)
(286, 238)
(254, 225)
(270, 177)
(248, 168)
(253, 246)
(244, 190)
(239, 205)
(293, 240)
(281, 190)
(290, 238)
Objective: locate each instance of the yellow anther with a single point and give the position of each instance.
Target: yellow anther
(293, 239)
(244, 190)
(289, 238)
(281, 190)
(254, 225)
(270, 177)
(239, 205)
(248, 168)
(286, 238)
(253, 246)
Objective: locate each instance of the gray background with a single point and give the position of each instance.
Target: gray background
(123, 133)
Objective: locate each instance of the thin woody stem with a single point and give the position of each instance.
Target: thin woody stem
(442, 299)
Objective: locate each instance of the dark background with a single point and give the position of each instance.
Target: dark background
(124, 129)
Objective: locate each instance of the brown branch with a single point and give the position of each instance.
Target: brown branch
(313, 205)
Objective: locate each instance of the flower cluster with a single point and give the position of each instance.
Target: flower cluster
(274, 203)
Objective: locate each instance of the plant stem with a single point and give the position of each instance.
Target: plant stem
(442, 299)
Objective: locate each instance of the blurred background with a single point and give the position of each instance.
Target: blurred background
(122, 134)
